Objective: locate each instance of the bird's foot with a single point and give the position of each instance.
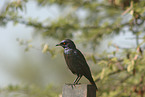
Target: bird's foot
(73, 85)
(76, 84)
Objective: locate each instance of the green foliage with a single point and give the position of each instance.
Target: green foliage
(28, 91)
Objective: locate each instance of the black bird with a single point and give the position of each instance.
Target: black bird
(76, 61)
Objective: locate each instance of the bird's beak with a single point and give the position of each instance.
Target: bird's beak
(58, 45)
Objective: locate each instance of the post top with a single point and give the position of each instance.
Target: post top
(78, 90)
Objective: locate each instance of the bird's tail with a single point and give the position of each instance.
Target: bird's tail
(89, 77)
(93, 83)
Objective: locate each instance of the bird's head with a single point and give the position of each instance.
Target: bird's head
(67, 43)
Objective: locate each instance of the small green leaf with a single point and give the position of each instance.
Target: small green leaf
(102, 74)
(26, 49)
(114, 59)
(109, 43)
(45, 48)
(30, 46)
(103, 63)
(131, 66)
(93, 58)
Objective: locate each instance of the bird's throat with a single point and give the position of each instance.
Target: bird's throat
(68, 51)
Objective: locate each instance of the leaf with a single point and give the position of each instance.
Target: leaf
(131, 12)
(102, 74)
(131, 66)
(15, 23)
(45, 48)
(114, 59)
(114, 53)
(109, 43)
(103, 63)
(21, 42)
(26, 49)
(30, 46)
(93, 58)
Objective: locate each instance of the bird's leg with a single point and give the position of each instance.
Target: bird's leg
(74, 83)
(80, 76)
(75, 80)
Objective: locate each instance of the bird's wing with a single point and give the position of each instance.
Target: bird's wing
(81, 63)
(85, 70)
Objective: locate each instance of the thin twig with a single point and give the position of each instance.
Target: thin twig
(112, 73)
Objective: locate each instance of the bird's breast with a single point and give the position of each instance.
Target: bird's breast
(70, 59)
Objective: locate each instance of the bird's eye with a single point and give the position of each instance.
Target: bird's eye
(64, 43)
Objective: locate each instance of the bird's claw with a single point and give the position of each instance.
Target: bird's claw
(73, 85)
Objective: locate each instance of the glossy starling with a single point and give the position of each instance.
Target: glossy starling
(76, 61)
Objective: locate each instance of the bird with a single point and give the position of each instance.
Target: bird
(76, 61)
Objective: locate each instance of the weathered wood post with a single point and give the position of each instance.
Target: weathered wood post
(80, 90)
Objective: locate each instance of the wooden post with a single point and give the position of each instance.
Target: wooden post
(80, 90)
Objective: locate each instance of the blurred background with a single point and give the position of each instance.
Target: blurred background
(110, 33)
